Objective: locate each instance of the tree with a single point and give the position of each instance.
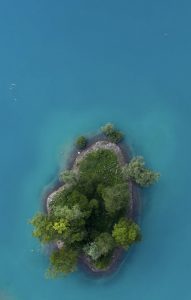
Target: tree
(103, 262)
(44, 230)
(60, 226)
(102, 245)
(114, 135)
(92, 250)
(126, 232)
(63, 261)
(81, 142)
(136, 171)
(116, 197)
(69, 214)
(70, 223)
(69, 177)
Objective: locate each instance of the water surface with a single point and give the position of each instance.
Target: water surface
(67, 67)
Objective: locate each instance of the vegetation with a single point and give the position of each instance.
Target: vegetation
(62, 261)
(114, 135)
(137, 172)
(69, 177)
(103, 262)
(90, 214)
(116, 197)
(81, 142)
(101, 246)
(126, 232)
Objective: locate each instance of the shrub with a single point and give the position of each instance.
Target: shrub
(114, 135)
(63, 261)
(103, 262)
(136, 171)
(81, 142)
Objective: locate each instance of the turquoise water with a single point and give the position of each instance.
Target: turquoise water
(67, 67)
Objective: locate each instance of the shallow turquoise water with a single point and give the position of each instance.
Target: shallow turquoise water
(67, 67)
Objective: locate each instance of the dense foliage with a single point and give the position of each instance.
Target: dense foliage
(81, 142)
(63, 261)
(126, 232)
(89, 215)
(114, 135)
(137, 172)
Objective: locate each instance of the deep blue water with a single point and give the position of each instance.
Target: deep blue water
(67, 67)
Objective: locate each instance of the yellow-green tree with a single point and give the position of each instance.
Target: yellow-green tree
(60, 226)
(43, 227)
(126, 232)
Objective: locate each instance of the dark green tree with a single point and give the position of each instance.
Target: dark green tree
(69, 177)
(62, 261)
(81, 142)
(116, 197)
(43, 228)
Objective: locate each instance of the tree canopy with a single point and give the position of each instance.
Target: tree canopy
(116, 197)
(62, 261)
(137, 171)
(126, 232)
(114, 135)
(102, 245)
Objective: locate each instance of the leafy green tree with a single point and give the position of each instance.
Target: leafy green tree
(62, 261)
(69, 214)
(92, 250)
(71, 199)
(69, 177)
(43, 225)
(116, 197)
(102, 245)
(137, 171)
(114, 135)
(81, 142)
(126, 232)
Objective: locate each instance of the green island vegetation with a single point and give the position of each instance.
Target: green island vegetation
(81, 142)
(113, 135)
(90, 213)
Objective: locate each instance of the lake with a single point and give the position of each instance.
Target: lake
(66, 68)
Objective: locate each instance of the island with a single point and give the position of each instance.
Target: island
(89, 218)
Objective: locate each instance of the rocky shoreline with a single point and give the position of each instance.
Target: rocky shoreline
(76, 157)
